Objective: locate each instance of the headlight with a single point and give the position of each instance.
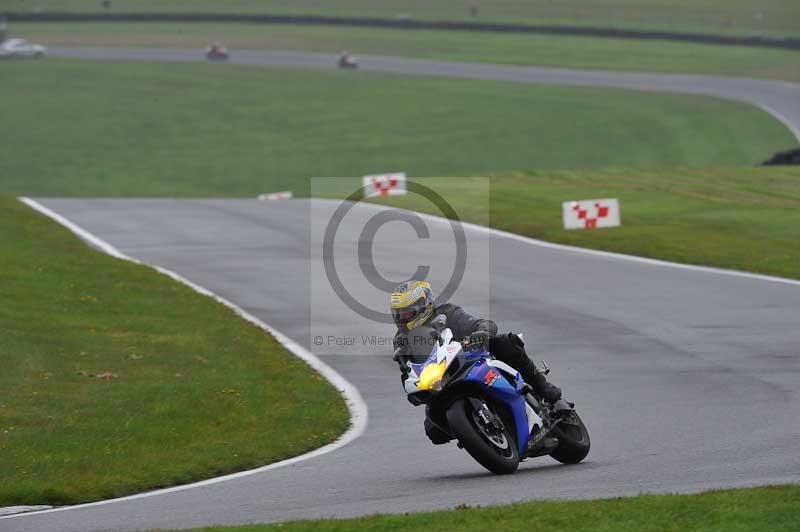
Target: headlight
(431, 376)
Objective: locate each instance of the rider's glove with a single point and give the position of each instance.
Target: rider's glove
(479, 339)
(400, 357)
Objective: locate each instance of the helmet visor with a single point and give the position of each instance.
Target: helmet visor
(408, 314)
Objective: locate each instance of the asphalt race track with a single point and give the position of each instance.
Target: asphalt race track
(687, 379)
(779, 98)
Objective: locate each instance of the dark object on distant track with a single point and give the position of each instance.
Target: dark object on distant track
(347, 61)
(217, 52)
(784, 158)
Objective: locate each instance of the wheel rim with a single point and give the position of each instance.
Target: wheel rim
(497, 439)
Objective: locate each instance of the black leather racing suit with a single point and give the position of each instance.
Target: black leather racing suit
(509, 348)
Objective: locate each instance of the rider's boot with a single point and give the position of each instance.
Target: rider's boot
(510, 348)
(531, 374)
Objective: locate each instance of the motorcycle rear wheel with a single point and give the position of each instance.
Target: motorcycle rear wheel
(496, 453)
(573, 440)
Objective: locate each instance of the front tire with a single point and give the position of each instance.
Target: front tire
(573, 439)
(497, 453)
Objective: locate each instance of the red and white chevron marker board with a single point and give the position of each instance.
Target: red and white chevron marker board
(384, 184)
(591, 214)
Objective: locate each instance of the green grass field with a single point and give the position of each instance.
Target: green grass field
(171, 129)
(773, 508)
(778, 17)
(538, 50)
(746, 219)
(117, 379)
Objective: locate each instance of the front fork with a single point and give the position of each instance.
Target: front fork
(487, 417)
(538, 443)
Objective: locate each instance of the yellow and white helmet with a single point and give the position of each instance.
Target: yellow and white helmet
(412, 304)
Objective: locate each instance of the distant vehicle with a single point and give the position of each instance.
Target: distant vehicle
(347, 61)
(217, 52)
(21, 48)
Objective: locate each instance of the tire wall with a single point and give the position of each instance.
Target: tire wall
(755, 40)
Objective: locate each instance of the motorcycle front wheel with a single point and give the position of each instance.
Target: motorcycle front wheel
(494, 450)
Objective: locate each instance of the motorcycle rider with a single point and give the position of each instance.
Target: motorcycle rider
(413, 307)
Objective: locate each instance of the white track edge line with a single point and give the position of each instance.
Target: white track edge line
(595, 252)
(778, 116)
(355, 404)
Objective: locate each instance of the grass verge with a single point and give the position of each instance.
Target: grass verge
(743, 219)
(779, 17)
(538, 50)
(117, 379)
(175, 129)
(773, 508)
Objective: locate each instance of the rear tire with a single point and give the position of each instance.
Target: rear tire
(573, 440)
(500, 461)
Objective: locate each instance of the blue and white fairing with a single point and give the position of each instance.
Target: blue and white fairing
(442, 355)
(496, 379)
(504, 384)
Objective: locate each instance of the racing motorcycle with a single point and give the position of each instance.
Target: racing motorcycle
(347, 61)
(485, 405)
(217, 52)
